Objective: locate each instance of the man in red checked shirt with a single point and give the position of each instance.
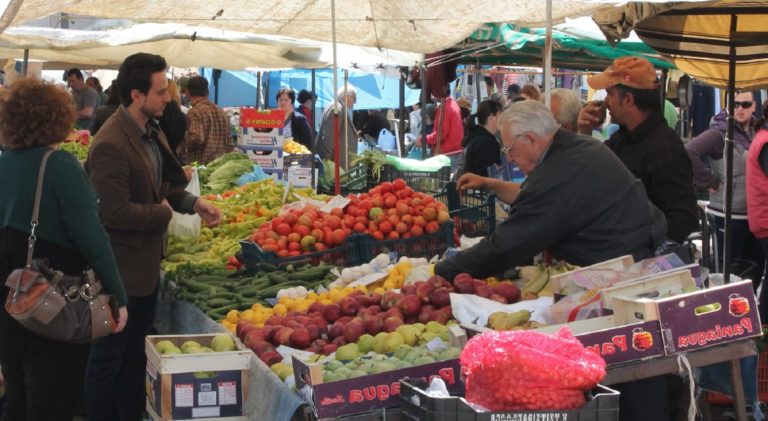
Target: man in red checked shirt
(448, 125)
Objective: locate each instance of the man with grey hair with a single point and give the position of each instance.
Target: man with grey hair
(567, 205)
(566, 107)
(324, 144)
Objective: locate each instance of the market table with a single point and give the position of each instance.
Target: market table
(730, 353)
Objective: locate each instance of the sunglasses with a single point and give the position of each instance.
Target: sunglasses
(742, 104)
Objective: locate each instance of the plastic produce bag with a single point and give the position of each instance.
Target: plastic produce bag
(256, 175)
(183, 225)
(527, 370)
(430, 164)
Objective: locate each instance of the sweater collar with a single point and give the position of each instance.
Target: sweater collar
(642, 130)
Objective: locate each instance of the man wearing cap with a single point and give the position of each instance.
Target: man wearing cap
(651, 150)
(654, 153)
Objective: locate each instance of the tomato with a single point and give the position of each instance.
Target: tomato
(352, 210)
(359, 227)
(416, 231)
(278, 220)
(283, 253)
(318, 234)
(289, 218)
(407, 219)
(305, 220)
(363, 196)
(390, 201)
(294, 237)
(394, 219)
(372, 227)
(361, 212)
(442, 217)
(416, 201)
(320, 247)
(402, 209)
(401, 228)
(376, 191)
(399, 184)
(386, 187)
(378, 235)
(269, 248)
(333, 222)
(282, 243)
(293, 253)
(385, 227)
(337, 212)
(301, 229)
(293, 246)
(339, 235)
(377, 202)
(427, 199)
(430, 214)
(283, 229)
(432, 227)
(349, 220)
(366, 204)
(393, 236)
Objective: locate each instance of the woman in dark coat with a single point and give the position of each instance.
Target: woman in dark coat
(296, 124)
(481, 148)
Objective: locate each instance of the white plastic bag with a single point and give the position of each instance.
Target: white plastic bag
(183, 225)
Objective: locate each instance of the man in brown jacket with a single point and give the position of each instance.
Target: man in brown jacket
(139, 183)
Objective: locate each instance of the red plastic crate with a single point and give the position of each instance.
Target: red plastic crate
(716, 398)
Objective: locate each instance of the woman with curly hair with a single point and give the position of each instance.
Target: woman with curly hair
(44, 378)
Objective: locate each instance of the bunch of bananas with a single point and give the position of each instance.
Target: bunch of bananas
(295, 148)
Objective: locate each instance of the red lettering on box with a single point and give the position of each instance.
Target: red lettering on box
(382, 391)
(621, 342)
(448, 375)
(356, 396)
(716, 333)
(369, 393)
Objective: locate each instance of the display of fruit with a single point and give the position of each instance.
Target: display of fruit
(505, 292)
(243, 209)
(501, 320)
(79, 148)
(222, 342)
(282, 370)
(391, 210)
(401, 356)
(292, 147)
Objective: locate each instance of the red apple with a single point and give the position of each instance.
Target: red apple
(253, 336)
(373, 326)
(390, 299)
(391, 324)
(464, 283)
(482, 289)
(283, 336)
(440, 317)
(300, 338)
(332, 312)
(424, 292)
(260, 347)
(408, 289)
(508, 290)
(441, 297)
(425, 312)
(275, 320)
(349, 306)
(394, 312)
(329, 349)
(437, 281)
(314, 331)
(498, 298)
(410, 305)
(271, 357)
(354, 330)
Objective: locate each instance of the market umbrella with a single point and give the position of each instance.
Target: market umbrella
(721, 43)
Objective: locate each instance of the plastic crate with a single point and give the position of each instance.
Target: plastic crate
(344, 256)
(716, 398)
(354, 181)
(473, 211)
(602, 405)
(431, 182)
(427, 245)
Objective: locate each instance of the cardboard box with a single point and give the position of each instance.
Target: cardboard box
(271, 159)
(250, 137)
(366, 393)
(655, 286)
(177, 389)
(299, 170)
(698, 319)
(602, 269)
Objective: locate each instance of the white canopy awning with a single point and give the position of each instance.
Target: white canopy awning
(421, 26)
(189, 46)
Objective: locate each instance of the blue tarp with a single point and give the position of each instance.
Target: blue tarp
(373, 89)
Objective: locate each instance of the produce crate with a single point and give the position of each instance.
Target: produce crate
(354, 181)
(431, 182)
(602, 405)
(427, 245)
(342, 256)
(176, 391)
(473, 211)
(762, 384)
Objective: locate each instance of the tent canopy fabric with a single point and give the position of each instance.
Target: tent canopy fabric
(697, 37)
(510, 44)
(188, 46)
(420, 26)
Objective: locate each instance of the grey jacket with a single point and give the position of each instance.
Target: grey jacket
(324, 144)
(581, 203)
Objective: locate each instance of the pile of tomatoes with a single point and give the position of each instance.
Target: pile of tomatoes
(391, 210)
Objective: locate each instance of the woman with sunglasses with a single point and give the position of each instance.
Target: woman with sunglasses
(706, 153)
(757, 194)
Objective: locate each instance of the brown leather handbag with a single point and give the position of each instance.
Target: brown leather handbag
(51, 304)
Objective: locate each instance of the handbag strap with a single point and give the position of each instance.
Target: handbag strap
(36, 208)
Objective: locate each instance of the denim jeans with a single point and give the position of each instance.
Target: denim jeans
(114, 379)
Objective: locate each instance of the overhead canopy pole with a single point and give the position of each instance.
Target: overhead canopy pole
(729, 155)
(336, 175)
(548, 58)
